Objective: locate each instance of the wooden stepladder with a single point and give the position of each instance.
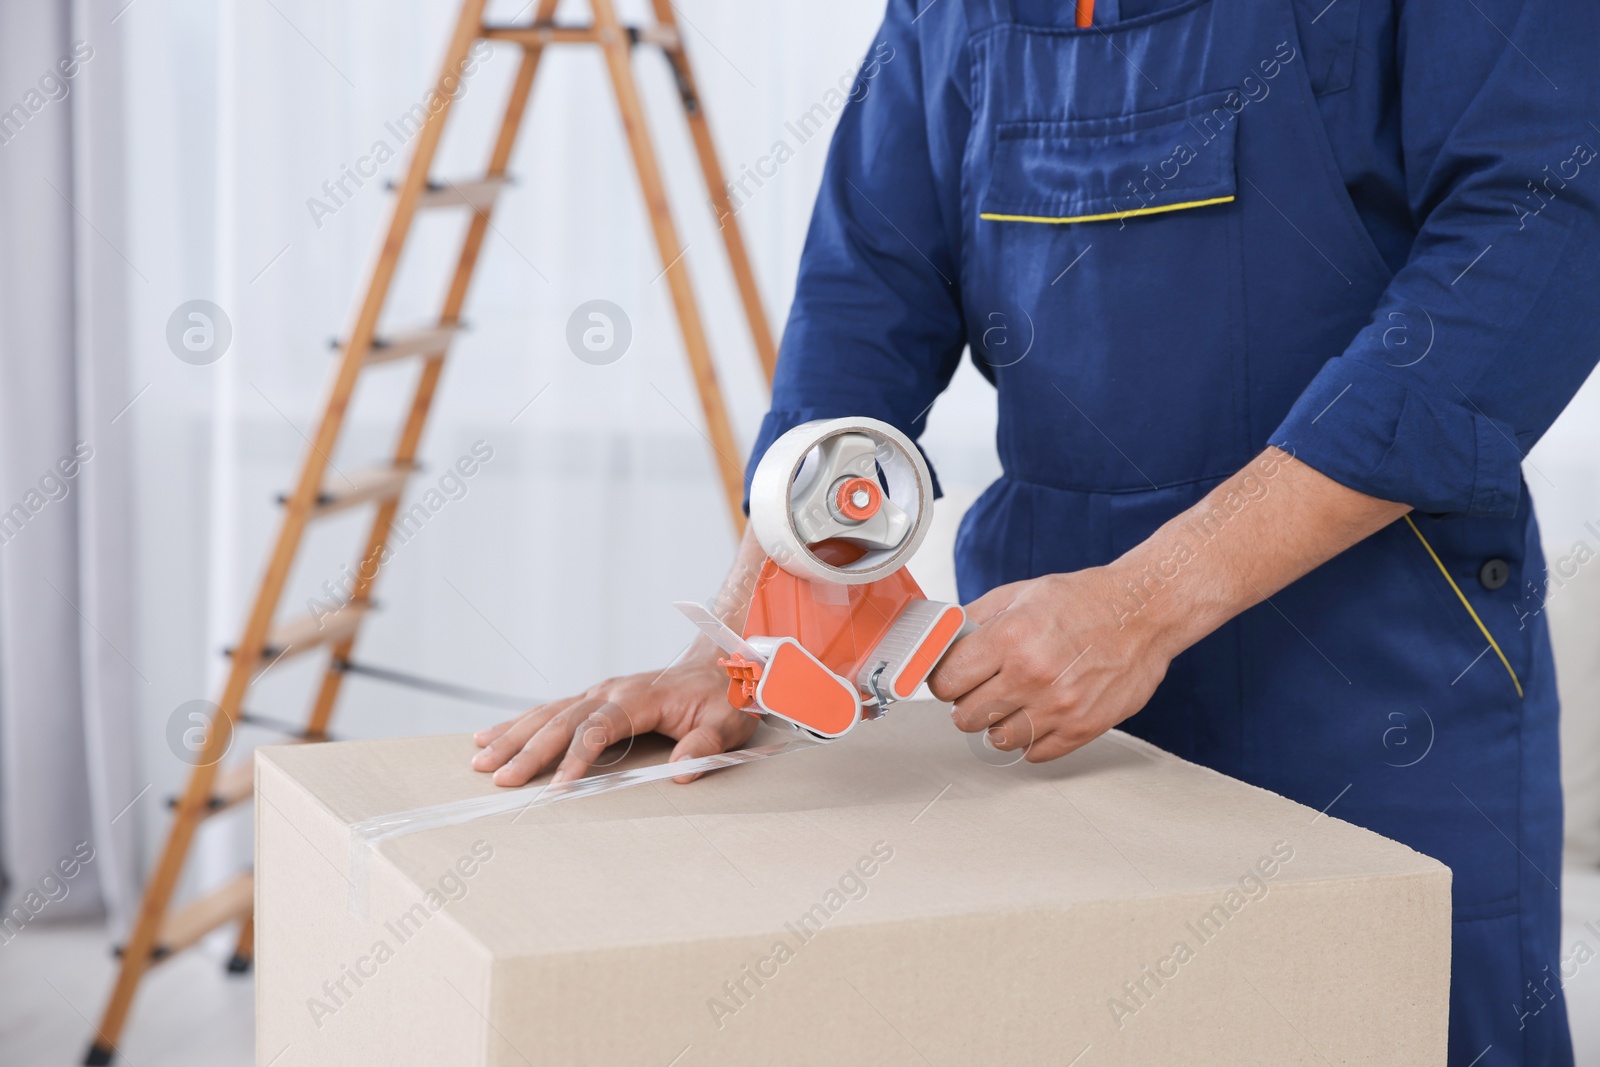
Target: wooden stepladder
(160, 930)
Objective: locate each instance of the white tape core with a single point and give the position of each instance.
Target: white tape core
(786, 479)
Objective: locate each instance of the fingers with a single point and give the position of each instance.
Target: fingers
(710, 738)
(992, 603)
(1039, 736)
(510, 736)
(542, 746)
(492, 733)
(978, 657)
(687, 701)
(985, 706)
(1015, 731)
(970, 662)
(598, 731)
(1054, 746)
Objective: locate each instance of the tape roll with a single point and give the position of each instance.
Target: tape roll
(799, 498)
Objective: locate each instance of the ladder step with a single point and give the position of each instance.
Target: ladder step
(198, 918)
(477, 194)
(373, 485)
(543, 33)
(233, 785)
(540, 33)
(427, 341)
(307, 632)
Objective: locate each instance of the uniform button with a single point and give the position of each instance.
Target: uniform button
(1494, 574)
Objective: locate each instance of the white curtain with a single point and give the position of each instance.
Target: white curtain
(70, 685)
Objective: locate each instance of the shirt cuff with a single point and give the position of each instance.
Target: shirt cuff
(778, 423)
(1374, 430)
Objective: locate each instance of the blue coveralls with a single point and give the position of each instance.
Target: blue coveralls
(1364, 231)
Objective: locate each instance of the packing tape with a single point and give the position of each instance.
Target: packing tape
(365, 836)
(791, 466)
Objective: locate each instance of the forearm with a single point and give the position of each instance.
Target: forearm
(1266, 526)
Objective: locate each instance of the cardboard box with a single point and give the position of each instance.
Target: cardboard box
(893, 898)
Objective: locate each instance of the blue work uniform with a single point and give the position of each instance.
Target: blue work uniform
(1364, 231)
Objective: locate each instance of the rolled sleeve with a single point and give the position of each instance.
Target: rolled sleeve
(1503, 279)
(1368, 428)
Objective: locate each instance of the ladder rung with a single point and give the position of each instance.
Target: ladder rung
(427, 341)
(233, 785)
(380, 484)
(198, 918)
(541, 33)
(477, 194)
(307, 632)
(544, 33)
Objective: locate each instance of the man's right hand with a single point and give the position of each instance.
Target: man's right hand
(687, 702)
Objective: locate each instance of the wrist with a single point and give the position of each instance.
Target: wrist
(1161, 593)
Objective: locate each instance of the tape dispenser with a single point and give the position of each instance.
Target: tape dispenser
(838, 630)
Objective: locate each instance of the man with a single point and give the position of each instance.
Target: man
(1304, 282)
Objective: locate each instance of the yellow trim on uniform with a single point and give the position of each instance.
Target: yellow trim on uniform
(1107, 215)
(1464, 603)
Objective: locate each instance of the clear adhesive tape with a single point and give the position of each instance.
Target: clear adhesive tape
(365, 836)
(910, 487)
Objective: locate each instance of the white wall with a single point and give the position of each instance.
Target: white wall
(600, 505)
(1563, 472)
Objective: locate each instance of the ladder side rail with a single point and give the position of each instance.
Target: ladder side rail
(694, 110)
(422, 399)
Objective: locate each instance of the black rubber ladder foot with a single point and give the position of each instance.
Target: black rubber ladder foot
(99, 1055)
(238, 964)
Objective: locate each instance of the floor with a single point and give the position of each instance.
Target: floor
(54, 980)
(191, 1014)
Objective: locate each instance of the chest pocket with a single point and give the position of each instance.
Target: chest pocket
(1100, 169)
(1116, 242)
